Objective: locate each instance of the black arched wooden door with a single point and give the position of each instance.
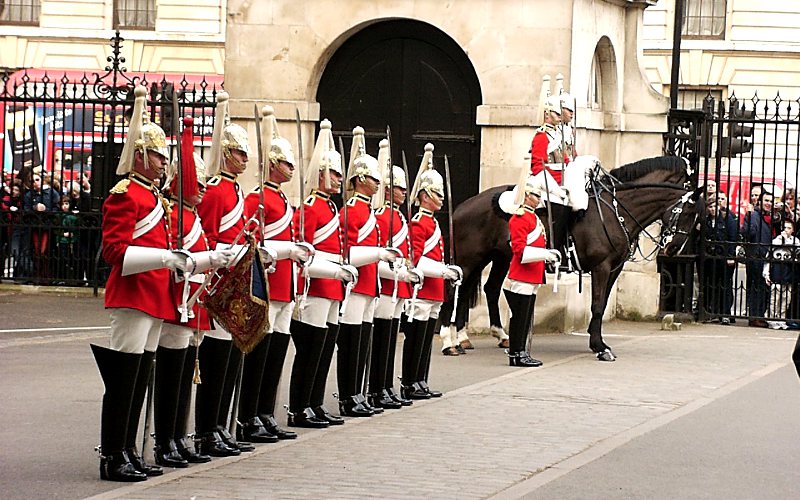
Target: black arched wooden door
(414, 78)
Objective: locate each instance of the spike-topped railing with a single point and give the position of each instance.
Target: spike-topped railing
(738, 149)
(69, 126)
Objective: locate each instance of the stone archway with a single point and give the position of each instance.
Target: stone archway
(413, 77)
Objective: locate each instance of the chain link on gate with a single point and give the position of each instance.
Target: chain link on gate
(63, 134)
(747, 260)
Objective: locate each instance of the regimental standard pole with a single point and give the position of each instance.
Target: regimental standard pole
(677, 30)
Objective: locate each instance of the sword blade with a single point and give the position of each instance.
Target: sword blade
(260, 153)
(389, 241)
(408, 211)
(450, 210)
(301, 172)
(179, 173)
(345, 253)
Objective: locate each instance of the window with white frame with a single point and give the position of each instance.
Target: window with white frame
(704, 18)
(25, 12)
(135, 14)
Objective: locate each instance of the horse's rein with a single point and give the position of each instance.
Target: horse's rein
(615, 203)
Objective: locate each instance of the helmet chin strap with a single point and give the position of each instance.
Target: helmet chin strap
(236, 163)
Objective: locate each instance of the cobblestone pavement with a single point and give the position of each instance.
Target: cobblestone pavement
(483, 439)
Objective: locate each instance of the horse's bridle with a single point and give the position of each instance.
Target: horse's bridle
(669, 231)
(666, 234)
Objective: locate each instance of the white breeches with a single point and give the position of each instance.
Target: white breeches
(318, 312)
(360, 309)
(280, 316)
(133, 331)
(424, 309)
(388, 310)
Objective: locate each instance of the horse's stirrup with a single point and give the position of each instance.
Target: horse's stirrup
(606, 355)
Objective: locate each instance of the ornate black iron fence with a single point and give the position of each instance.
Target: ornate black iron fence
(748, 256)
(62, 136)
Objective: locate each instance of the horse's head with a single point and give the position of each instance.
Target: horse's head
(681, 222)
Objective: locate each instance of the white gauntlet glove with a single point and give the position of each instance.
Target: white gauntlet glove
(390, 254)
(347, 274)
(268, 256)
(555, 256)
(409, 275)
(200, 262)
(298, 252)
(143, 259)
(453, 273)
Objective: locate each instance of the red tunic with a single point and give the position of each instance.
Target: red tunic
(194, 240)
(526, 230)
(222, 210)
(277, 226)
(150, 291)
(400, 240)
(362, 230)
(539, 155)
(427, 241)
(322, 230)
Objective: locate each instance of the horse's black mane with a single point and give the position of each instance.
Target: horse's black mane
(638, 169)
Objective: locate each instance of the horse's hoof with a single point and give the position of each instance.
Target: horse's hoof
(606, 355)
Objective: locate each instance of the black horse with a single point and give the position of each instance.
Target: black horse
(621, 205)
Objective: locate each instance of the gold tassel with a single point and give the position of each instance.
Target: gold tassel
(196, 378)
(198, 339)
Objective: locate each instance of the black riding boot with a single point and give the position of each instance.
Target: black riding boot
(425, 362)
(412, 359)
(235, 360)
(389, 379)
(251, 428)
(185, 446)
(119, 372)
(518, 327)
(213, 355)
(139, 391)
(381, 336)
(270, 381)
(169, 366)
(349, 343)
(365, 347)
(321, 377)
(308, 342)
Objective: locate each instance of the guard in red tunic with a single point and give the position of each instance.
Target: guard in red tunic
(526, 273)
(222, 216)
(428, 251)
(363, 240)
(396, 283)
(181, 334)
(264, 365)
(138, 293)
(315, 327)
(548, 161)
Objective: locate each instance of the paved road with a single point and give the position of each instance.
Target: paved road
(708, 412)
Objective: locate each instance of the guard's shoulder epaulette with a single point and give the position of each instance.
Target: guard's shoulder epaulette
(121, 187)
(351, 202)
(417, 217)
(379, 211)
(544, 129)
(310, 200)
(214, 181)
(520, 211)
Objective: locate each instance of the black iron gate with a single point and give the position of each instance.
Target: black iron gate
(747, 258)
(62, 136)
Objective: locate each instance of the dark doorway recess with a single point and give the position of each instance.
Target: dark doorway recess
(416, 79)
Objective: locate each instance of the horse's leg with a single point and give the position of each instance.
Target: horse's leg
(493, 286)
(602, 281)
